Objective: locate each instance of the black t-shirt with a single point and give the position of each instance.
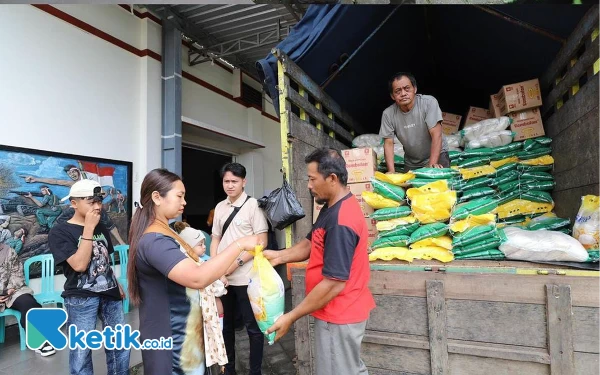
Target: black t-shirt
(99, 278)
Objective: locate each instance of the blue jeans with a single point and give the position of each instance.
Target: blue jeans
(83, 313)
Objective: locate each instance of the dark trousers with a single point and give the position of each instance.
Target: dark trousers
(24, 303)
(236, 299)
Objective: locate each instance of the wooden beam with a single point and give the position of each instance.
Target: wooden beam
(438, 340)
(572, 77)
(298, 75)
(577, 37)
(560, 329)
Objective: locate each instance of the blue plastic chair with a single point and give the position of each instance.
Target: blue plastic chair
(123, 251)
(17, 315)
(48, 294)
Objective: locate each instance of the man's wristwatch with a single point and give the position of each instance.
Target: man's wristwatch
(240, 262)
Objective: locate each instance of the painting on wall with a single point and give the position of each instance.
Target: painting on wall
(32, 184)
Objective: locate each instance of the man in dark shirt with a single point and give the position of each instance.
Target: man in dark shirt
(338, 271)
(82, 247)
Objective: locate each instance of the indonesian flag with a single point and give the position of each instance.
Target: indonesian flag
(92, 171)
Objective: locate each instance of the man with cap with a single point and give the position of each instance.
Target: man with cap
(86, 300)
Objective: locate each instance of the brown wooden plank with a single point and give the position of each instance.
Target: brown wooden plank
(585, 101)
(575, 40)
(412, 310)
(396, 358)
(380, 371)
(586, 330)
(471, 365)
(301, 327)
(497, 322)
(436, 314)
(318, 115)
(578, 167)
(473, 348)
(568, 201)
(586, 364)
(571, 78)
(585, 291)
(303, 132)
(294, 71)
(560, 329)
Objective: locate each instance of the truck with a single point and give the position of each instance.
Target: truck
(466, 317)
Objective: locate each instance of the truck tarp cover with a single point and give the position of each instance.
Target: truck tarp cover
(460, 54)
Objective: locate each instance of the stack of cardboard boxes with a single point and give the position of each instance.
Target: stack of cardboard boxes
(521, 102)
(361, 164)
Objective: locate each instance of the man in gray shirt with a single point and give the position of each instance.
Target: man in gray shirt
(416, 120)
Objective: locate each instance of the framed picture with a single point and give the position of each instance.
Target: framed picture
(32, 183)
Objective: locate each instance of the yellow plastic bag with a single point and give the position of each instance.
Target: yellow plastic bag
(587, 223)
(395, 178)
(499, 163)
(484, 170)
(542, 160)
(393, 223)
(444, 241)
(439, 186)
(472, 221)
(389, 253)
(434, 207)
(432, 252)
(522, 207)
(377, 201)
(266, 293)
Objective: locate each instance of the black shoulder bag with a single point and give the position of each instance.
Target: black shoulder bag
(230, 218)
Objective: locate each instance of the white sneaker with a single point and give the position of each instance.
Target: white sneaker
(46, 350)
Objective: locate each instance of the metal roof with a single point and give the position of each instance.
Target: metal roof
(239, 33)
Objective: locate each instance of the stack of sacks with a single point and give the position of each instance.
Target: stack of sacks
(424, 176)
(477, 242)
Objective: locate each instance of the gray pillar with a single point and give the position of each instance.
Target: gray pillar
(171, 98)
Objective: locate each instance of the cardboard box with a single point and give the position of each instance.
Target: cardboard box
(450, 123)
(495, 105)
(316, 210)
(357, 190)
(520, 96)
(372, 229)
(527, 124)
(361, 164)
(475, 115)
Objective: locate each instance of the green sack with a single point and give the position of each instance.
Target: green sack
(483, 255)
(513, 220)
(506, 177)
(509, 186)
(468, 195)
(534, 168)
(539, 185)
(457, 184)
(506, 168)
(537, 196)
(454, 155)
(436, 173)
(391, 241)
(418, 182)
(503, 155)
(532, 144)
(476, 207)
(391, 213)
(505, 197)
(536, 153)
(474, 235)
(552, 223)
(593, 256)
(429, 231)
(486, 244)
(515, 146)
(388, 190)
(400, 230)
(474, 162)
(538, 176)
(477, 152)
(476, 183)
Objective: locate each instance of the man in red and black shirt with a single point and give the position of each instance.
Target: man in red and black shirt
(337, 275)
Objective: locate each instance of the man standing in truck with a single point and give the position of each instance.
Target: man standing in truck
(416, 120)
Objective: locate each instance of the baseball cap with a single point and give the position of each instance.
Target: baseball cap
(85, 188)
